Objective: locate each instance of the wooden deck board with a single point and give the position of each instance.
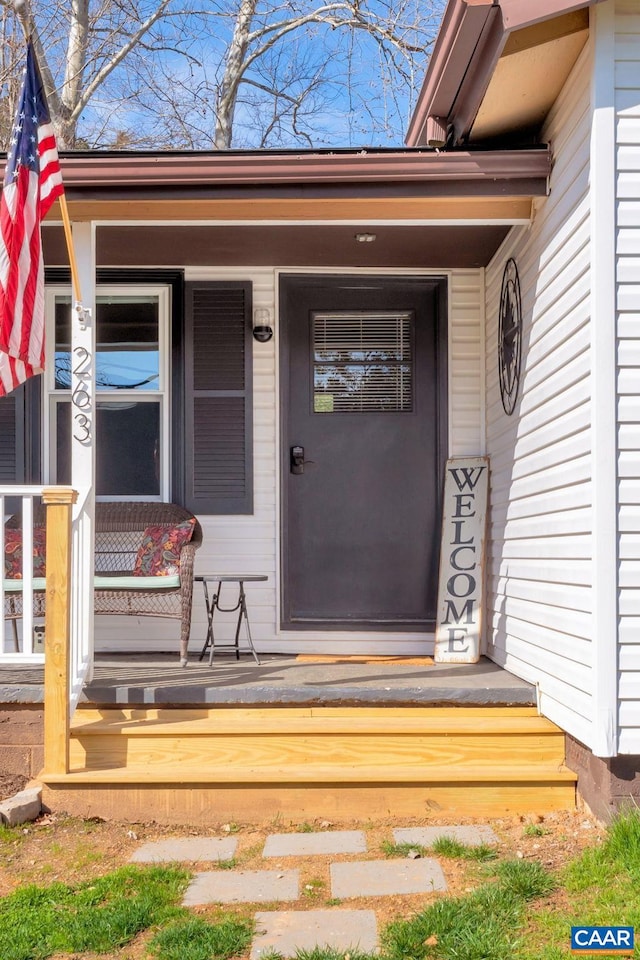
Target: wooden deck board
(202, 722)
(145, 762)
(215, 804)
(335, 773)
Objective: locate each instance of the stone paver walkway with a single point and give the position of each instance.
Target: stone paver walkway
(187, 850)
(473, 836)
(385, 878)
(304, 844)
(287, 931)
(242, 886)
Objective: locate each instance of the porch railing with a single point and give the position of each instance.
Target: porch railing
(67, 655)
(17, 593)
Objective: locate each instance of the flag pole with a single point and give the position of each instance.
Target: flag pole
(75, 280)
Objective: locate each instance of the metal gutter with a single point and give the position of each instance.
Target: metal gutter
(471, 40)
(269, 170)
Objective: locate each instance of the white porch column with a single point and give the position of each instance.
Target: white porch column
(83, 417)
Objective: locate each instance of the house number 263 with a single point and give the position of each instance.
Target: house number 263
(80, 396)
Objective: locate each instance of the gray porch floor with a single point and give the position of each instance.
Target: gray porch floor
(158, 679)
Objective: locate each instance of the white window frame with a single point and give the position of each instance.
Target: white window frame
(162, 395)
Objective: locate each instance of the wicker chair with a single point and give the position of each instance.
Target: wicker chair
(119, 529)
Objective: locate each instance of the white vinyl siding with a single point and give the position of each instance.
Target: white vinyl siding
(539, 571)
(250, 544)
(627, 94)
(466, 360)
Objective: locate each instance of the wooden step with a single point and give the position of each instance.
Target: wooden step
(173, 764)
(237, 722)
(334, 773)
(211, 805)
(241, 740)
(238, 751)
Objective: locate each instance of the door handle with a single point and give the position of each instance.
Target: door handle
(296, 460)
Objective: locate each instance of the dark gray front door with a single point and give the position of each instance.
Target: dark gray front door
(364, 409)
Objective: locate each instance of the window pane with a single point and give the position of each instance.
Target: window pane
(363, 362)
(127, 343)
(128, 453)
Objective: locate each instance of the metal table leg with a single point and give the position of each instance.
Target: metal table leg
(210, 606)
(243, 611)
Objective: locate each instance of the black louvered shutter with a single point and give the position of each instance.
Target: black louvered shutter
(8, 440)
(218, 410)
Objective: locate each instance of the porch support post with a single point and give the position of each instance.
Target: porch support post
(604, 459)
(58, 502)
(83, 417)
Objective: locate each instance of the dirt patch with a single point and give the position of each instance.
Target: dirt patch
(61, 848)
(11, 783)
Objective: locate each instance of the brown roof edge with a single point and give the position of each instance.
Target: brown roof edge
(217, 169)
(469, 43)
(458, 36)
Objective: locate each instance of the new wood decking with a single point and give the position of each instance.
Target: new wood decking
(204, 764)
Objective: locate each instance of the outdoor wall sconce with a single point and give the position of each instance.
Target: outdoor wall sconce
(262, 325)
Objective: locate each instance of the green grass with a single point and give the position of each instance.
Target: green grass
(327, 953)
(391, 849)
(503, 918)
(601, 886)
(313, 888)
(484, 925)
(442, 847)
(535, 830)
(454, 849)
(194, 939)
(99, 915)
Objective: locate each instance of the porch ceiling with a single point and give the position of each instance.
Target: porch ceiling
(470, 245)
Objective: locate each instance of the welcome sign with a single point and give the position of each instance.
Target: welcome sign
(461, 583)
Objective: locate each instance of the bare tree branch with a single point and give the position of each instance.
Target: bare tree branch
(196, 73)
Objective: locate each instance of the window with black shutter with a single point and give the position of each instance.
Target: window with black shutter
(218, 412)
(8, 440)
(211, 452)
(20, 434)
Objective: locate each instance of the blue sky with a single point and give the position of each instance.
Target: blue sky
(359, 95)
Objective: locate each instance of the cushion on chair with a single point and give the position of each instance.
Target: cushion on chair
(13, 553)
(159, 553)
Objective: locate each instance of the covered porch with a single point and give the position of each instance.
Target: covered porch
(148, 739)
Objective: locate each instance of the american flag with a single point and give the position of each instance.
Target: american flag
(31, 184)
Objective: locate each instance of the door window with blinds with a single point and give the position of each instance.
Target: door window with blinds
(132, 392)
(363, 362)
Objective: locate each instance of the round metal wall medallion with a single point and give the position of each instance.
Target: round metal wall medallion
(510, 337)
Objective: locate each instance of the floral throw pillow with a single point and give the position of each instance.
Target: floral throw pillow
(159, 553)
(13, 553)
